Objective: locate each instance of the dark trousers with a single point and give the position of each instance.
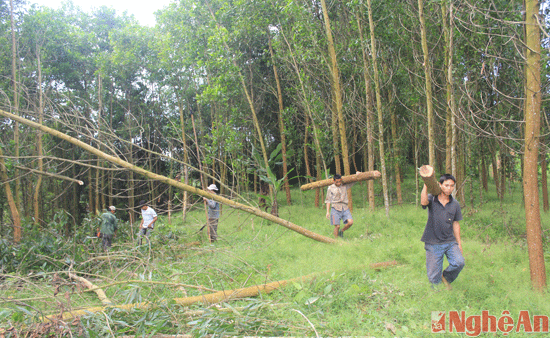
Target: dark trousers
(107, 241)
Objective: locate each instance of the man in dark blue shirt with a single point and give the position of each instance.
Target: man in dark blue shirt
(442, 233)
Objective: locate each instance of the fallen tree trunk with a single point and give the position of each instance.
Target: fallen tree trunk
(99, 292)
(211, 298)
(169, 181)
(369, 175)
(427, 173)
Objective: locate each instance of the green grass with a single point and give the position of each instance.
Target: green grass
(345, 297)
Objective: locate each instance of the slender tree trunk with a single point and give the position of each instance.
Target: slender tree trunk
(380, 113)
(319, 193)
(131, 183)
(368, 115)
(17, 192)
(36, 198)
(396, 157)
(448, 120)
(306, 158)
(281, 122)
(494, 165)
(335, 147)
(185, 157)
(428, 78)
(337, 95)
(532, 112)
(11, 201)
(484, 179)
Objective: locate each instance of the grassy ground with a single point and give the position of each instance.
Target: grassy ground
(343, 297)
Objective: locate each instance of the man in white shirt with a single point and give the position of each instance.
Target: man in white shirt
(148, 219)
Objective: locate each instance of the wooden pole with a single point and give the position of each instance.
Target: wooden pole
(172, 182)
(427, 173)
(369, 175)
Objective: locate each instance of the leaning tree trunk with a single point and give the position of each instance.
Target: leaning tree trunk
(379, 110)
(532, 111)
(166, 180)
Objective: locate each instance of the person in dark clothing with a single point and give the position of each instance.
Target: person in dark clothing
(108, 227)
(441, 235)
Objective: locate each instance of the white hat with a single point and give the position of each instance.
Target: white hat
(212, 187)
(112, 208)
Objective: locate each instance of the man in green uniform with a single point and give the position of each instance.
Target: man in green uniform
(108, 227)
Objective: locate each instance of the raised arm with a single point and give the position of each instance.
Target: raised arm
(424, 196)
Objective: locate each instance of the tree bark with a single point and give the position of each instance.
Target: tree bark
(185, 157)
(428, 78)
(495, 172)
(396, 154)
(281, 121)
(36, 196)
(166, 180)
(17, 191)
(532, 112)
(380, 113)
(11, 201)
(484, 180)
(337, 93)
(544, 179)
(368, 115)
(369, 175)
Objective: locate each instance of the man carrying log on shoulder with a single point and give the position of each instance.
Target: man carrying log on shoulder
(442, 233)
(337, 205)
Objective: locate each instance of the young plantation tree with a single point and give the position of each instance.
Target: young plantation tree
(532, 113)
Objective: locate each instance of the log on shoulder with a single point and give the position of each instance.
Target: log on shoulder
(427, 173)
(368, 175)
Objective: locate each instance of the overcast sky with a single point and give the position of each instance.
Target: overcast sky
(141, 9)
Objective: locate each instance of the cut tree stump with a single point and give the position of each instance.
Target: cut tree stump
(368, 175)
(427, 173)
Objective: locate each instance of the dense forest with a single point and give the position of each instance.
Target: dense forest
(265, 95)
